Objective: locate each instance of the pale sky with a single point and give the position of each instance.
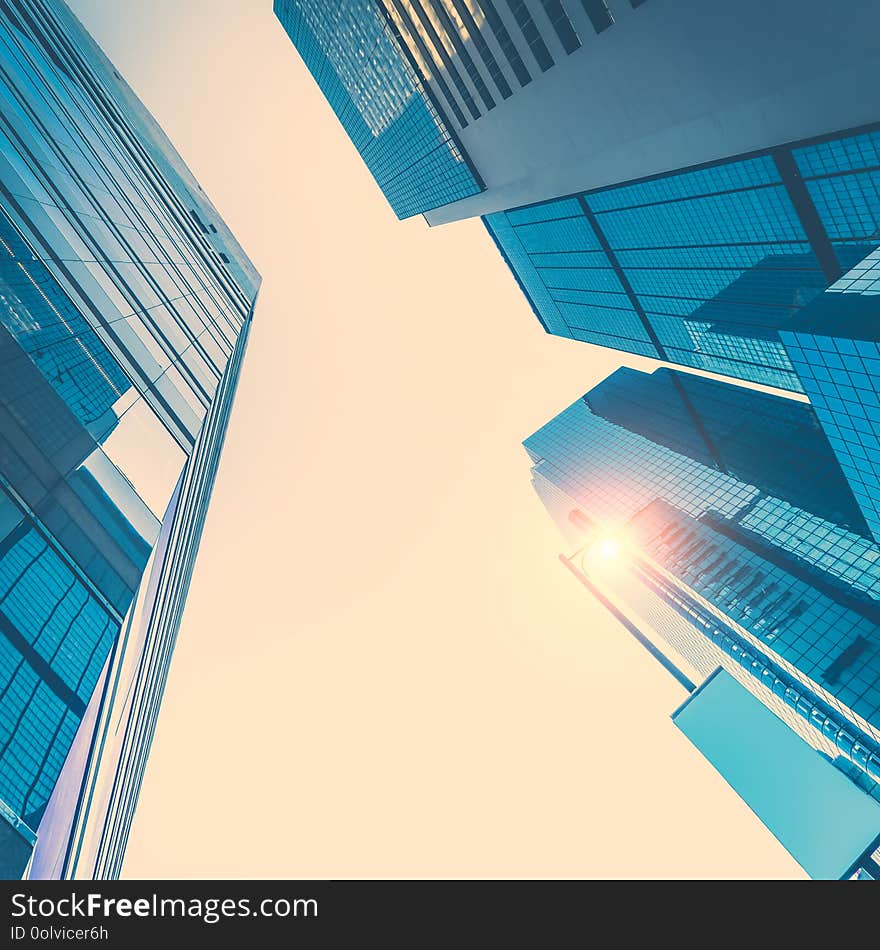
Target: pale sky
(383, 670)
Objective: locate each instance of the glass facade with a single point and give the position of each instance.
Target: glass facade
(53, 333)
(702, 267)
(750, 435)
(460, 58)
(124, 309)
(353, 51)
(54, 636)
(714, 559)
(472, 54)
(835, 348)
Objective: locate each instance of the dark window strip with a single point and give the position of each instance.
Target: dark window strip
(465, 57)
(448, 65)
(839, 172)
(599, 14)
(496, 24)
(530, 33)
(687, 268)
(437, 78)
(587, 305)
(720, 192)
(482, 48)
(561, 24)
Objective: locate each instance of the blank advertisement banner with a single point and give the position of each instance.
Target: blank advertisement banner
(821, 818)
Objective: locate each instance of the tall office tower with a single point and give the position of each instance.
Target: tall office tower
(125, 306)
(379, 94)
(724, 551)
(662, 178)
(704, 267)
(679, 180)
(544, 98)
(835, 348)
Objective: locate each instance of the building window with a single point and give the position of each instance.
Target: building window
(496, 24)
(530, 32)
(561, 23)
(599, 14)
(482, 48)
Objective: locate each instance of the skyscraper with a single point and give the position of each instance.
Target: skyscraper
(665, 180)
(700, 184)
(835, 348)
(125, 306)
(688, 527)
(353, 51)
(544, 99)
(611, 91)
(704, 267)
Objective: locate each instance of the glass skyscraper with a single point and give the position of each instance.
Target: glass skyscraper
(702, 267)
(125, 306)
(668, 182)
(462, 108)
(672, 181)
(352, 49)
(688, 527)
(835, 348)
(799, 586)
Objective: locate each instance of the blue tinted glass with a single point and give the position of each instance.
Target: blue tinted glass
(54, 639)
(526, 274)
(124, 308)
(53, 333)
(350, 51)
(840, 374)
(710, 263)
(705, 181)
(694, 479)
(839, 155)
(849, 205)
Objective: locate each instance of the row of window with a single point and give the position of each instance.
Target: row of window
(471, 51)
(111, 232)
(354, 52)
(54, 639)
(702, 267)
